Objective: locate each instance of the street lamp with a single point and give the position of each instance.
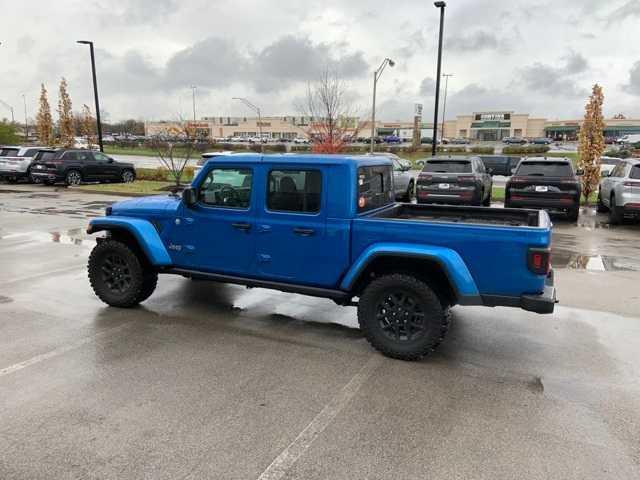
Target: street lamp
(441, 6)
(95, 90)
(376, 76)
(257, 110)
(10, 108)
(193, 90)
(444, 103)
(26, 125)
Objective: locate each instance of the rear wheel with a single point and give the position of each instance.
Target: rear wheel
(402, 317)
(73, 177)
(117, 275)
(614, 212)
(601, 207)
(487, 201)
(573, 214)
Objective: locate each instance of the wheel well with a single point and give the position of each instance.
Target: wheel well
(427, 270)
(125, 236)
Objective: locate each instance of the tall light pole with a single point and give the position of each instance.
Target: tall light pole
(376, 76)
(26, 125)
(257, 110)
(441, 6)
(10, 108)
(444, 102)
(193, 91)
(95, 90)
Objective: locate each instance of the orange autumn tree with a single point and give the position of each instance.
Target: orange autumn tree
(591, 144)
(332, 114)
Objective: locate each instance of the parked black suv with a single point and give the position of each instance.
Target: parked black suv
(550, 184)
(76, 166)
(454, 180)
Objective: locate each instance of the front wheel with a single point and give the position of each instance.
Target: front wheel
(601, 207)
(128, 176)
(402, 317)
(487, 201)
(615, 216)
(117, 275)
(409, 194)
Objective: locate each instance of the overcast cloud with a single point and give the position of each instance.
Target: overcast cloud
(539, 58)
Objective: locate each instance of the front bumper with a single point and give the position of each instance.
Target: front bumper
(543, 303)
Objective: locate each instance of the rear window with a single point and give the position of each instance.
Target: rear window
(375, 187)
(609, 161)
(45, 156)
(447, 166)
(545, 169)
(635, 172)
(8, 152)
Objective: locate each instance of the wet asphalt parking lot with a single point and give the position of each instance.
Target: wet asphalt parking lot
(221, 382)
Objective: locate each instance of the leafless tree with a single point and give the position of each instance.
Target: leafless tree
(333, 115)
(176, 149)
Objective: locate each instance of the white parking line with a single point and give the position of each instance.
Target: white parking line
(61, 350)
(303, 441)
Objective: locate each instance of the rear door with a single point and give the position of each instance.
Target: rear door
(291, 243)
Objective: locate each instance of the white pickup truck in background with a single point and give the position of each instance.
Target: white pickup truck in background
(15, 162)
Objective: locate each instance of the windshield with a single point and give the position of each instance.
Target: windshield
(447, 166)
(545, 169)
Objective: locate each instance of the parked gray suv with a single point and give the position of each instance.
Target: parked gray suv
(454, 180)
(619, 192)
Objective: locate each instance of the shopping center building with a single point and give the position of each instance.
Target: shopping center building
(480, 126)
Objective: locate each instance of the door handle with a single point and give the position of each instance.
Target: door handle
(241, 226)
(305, 232)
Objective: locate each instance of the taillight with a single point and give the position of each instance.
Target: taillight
(464, 178)
(539, 260)
(516, 180)
(631, 184)
(424, 176)
(571, 182)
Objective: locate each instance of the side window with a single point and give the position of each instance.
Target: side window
(480, 166)
(374, 187)
(101, 157)
(84, 156)
(618, 170)
(69, 156)
(227, 187)
(294, 191)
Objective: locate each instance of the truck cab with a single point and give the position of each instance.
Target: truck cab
(328, 226)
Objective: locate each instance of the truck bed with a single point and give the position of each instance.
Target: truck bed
(461, 215)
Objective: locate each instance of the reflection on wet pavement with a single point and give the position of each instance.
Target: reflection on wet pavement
(596, 263)
(74, 236)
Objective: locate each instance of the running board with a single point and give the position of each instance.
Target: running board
(336, 295)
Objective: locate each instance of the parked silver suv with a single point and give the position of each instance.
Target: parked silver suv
(15, 163)
(619, 192)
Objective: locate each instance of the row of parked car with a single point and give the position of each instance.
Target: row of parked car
(56, 165)
(552, 184)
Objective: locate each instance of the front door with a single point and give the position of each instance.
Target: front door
(291, 242)
(105, 167)
(217, 234)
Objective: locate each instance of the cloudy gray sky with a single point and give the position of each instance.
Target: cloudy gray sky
(538, 57)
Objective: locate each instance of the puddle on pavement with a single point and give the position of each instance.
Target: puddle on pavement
(594, 263)
(75, 236)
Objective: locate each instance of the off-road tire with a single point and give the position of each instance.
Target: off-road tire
(435, 321)
(139, 282)
(149, 283)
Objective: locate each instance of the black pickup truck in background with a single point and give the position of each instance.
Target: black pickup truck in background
(547, 184)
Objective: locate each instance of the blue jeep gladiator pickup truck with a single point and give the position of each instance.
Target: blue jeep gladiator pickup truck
(327, 226)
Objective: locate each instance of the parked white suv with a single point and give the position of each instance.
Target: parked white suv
(619, 192)
(15, 163)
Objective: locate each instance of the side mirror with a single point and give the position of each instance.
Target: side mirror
(579, 172)
(109, 160)
(189, 196)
